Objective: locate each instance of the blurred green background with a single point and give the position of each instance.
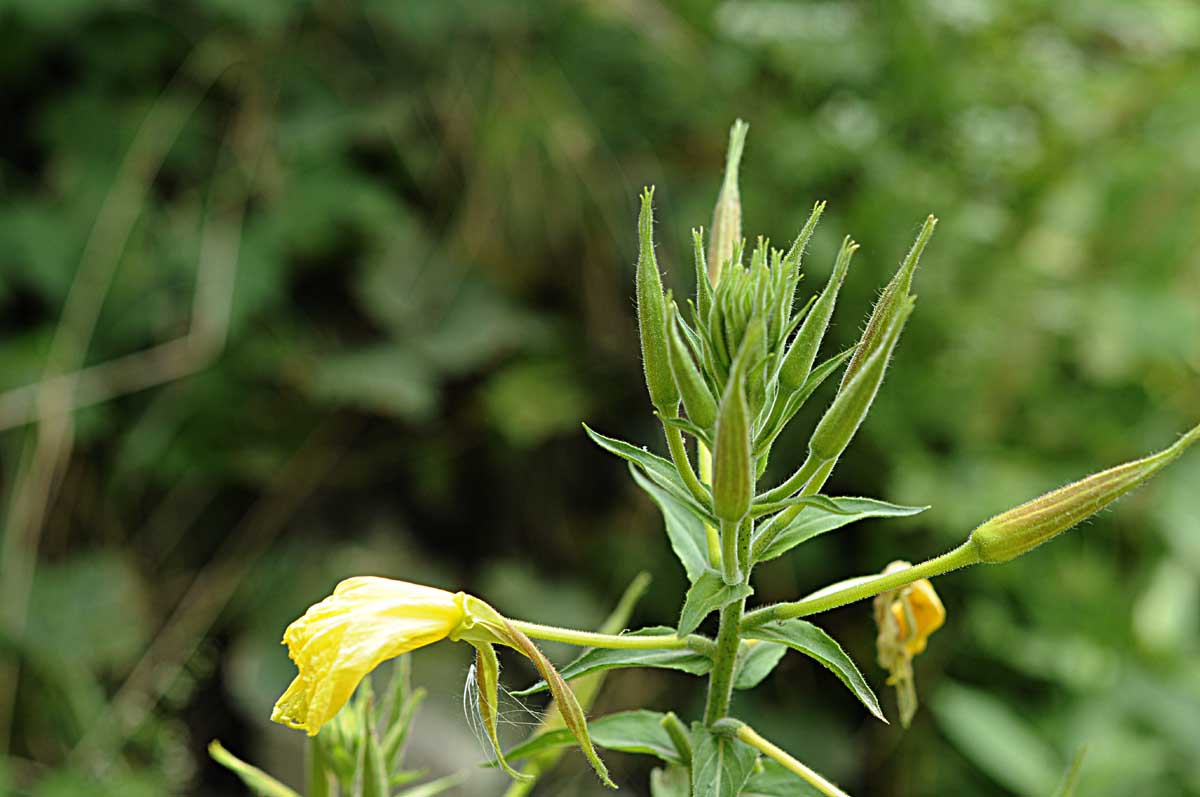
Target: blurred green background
(344, 278)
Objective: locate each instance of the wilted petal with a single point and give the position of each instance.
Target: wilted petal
(366, 621)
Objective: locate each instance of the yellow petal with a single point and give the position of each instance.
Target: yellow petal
(366, 621)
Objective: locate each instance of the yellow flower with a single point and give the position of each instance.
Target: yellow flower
(366, 621)
(905, 618)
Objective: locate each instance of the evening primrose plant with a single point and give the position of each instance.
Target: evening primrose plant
(727, 370)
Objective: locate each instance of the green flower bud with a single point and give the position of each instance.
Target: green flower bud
(849, 408)
(889, 301)
(798, 362)
(697, 399)
(652, 315)
(1012, 533)
(733, 474)
(704, 292)
(727, 215)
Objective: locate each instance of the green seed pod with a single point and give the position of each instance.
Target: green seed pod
(1012, 533)
(727, 215)
(652, 316)
(798, 362)
(891, 298)
(697, 399)
(849, 408)
(733, 474)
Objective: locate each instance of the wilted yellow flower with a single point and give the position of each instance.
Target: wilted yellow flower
(366, 621)
(905, 618)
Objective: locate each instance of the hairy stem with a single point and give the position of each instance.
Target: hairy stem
(764, 746)
(679, 456)
(860, 589)
(593, 639)
(720, 680)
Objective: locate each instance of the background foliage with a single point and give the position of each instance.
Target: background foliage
(385, 252)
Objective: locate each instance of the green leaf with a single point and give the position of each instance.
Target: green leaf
(806, 638)
(434, 787)
(996, 739)
(599, 659)
(639, 731)
(813, 521)
(255, 779)
(709, 594)
(371, 777)
(671, 782)
(721, 765)
(685, 527)
(755, 663)
(662, 472)
(775, 781)
(1071, 777)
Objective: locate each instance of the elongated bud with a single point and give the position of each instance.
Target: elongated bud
(727, 215)
(652, 315)
(704, 291)
(798, 362)
(791, 262)
(697, 399)
(889, 302)
(1012, 533)
(849, 408)
(733, 475)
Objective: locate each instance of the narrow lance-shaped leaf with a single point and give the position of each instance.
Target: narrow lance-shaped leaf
(889, 304)
(652, 315)
(727, 215)
(255, 779)
(806, 638)
(697, 399)
(1012, 533)
(798, 362)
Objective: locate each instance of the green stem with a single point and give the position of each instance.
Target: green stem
(824, 600)
(729, 553)
(794, 482)
(593, 639)
(710, 531)
(720, 680)
(767, 748)
(679, 456)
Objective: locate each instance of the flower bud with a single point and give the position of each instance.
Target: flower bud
(1012, 533)
(697, 398)
(652, 313)
(839, 423)
(704, 291)
(798, 362)
(727, 215)
(890, 300)
(733, 476)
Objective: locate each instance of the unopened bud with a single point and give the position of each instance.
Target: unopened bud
(727, 215)
(837, 426)
(893, 295)
(1012, 533)
(733, 475)
(652, 315)
(798, 362)
(697, 398)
